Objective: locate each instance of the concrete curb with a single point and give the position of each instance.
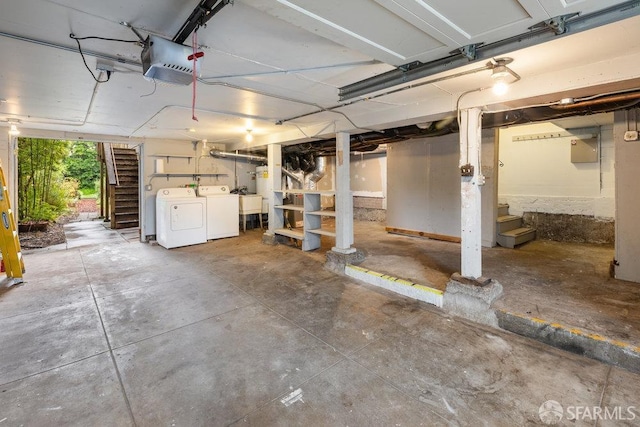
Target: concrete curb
(400, 286)
(474, 303)
(471, 300)
(575, 340)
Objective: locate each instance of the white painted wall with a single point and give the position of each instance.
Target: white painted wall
(627, 201)
(201, 163)
(424, 186)
(369, 175)
(538, 176)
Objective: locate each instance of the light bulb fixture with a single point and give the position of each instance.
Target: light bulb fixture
(248, 137)
(13, 128)
(500, 74)
(500, 87)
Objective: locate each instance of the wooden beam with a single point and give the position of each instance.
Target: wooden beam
(432, 236)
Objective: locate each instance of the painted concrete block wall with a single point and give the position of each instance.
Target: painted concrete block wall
(369, 175)
(369, 186)
(200, 163)
(538, 176)
(423, 186)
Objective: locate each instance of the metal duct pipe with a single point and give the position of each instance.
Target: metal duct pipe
(292, 175)
(249, 157)
(317, 174)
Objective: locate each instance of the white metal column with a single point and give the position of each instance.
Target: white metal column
(274, 184)
(344, 200)
(472, 181)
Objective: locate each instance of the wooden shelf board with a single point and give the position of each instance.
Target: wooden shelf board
(290, 233)
(182, 156)
(298, 191)
(322, 231)
(323, 213)
(290, 207)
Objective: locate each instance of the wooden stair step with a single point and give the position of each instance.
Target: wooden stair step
(518, 236)
(508, 222)
(503, 209)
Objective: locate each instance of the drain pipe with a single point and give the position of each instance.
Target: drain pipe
(249, 157)
(311, 179)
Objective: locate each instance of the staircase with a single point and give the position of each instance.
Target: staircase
(511, 232)
(121, 166)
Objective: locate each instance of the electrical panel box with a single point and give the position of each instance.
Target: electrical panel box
(584, 150)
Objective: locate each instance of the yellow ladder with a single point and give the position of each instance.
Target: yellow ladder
(9, 243)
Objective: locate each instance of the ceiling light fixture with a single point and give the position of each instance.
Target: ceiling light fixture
(248, 137)
(501, 75)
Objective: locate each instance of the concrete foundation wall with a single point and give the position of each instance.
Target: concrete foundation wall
(571, 228)
(538, 176)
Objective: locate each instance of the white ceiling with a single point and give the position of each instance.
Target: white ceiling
(292, 56)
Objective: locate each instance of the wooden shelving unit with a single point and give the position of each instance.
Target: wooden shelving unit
(312, 211)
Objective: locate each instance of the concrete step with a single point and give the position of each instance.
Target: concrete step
(503, 209)
(508, 222)
(513, 238)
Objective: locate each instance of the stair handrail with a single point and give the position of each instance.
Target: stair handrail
(110, 163)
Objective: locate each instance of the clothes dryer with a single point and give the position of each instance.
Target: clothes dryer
(180, 218)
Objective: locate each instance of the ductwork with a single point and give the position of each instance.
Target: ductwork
(249, 157)
(320, 170)
(369, 141)
(295, 176)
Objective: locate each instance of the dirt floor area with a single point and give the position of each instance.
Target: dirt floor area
(54, 234)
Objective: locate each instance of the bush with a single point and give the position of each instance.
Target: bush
(41, 186)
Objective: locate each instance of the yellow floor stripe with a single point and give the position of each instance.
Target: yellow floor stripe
(577, 331)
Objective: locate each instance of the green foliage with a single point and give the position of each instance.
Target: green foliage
(42, 192)
(88, 193)
(82, 164)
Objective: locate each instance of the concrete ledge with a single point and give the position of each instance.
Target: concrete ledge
(400, 286)
(575, 340)
(472, 299)
(337, 262)
(273, 239)
(269, 239)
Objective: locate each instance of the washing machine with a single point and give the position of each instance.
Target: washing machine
(180, 217)
(222, 211)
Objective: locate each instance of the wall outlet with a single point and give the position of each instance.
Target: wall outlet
(631, 135)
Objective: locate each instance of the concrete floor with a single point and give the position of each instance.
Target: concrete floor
(562, 283)
(237, 332)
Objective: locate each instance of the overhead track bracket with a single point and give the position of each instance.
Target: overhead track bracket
(199, 17)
